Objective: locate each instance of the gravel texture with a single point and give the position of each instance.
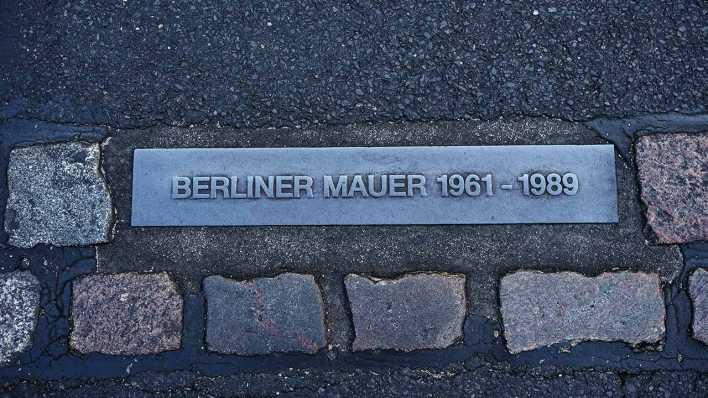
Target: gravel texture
(453, 381)
(542, 309)
(673, 174)
(137, 63)
(57, 195)
(698, 290)
(408, 313)
(19, 304)
(126, 314)
(264, 315)
(380, 383)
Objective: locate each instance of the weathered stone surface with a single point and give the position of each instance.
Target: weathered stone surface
(264, 315)
(673, 172)
(126, 314)
(413, 312)
(698, 290)
(57, 195)
(541, 309)
(486, 251)
(19, 303)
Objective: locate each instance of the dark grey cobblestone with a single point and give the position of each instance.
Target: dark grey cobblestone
(673, 175)
(57, 195)
(698, 290)
(408, 313)
(19, 303)
(541, 309)
(126, 314)
(264, 315)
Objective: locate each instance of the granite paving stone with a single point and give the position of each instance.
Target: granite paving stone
(415, 311)
(673, 174)
(19, 304)
(486, 251)
(264, 315)
(57, 195)
(540, 309)
(698, 290)
(126, 314)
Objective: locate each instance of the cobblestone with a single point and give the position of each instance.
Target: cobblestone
(698, 290)
(541, 309)
(19, 302)
(416, 311)
(264, 315)
(126, 314)
(57, 195)
(673, 172)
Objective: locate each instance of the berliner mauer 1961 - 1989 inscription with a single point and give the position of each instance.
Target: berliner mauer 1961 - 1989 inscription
(384, 185)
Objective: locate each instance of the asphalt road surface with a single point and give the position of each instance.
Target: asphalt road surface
(270, 63)
(137, 65)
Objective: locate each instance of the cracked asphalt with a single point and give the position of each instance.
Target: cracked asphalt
(134, 64)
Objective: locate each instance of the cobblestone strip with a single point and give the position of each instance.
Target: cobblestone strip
(19, 304)
(673, 172)
(57, 195)
(264, 315)
(540, 309)
(413, 312)
(698, 290)
(126, 314)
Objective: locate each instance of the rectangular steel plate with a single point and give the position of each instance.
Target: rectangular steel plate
(485, 185)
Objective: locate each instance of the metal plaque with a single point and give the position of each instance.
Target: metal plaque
(386, 185)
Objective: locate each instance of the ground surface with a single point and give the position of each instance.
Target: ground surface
(208, 73)
(459, 381)
(253, 63)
